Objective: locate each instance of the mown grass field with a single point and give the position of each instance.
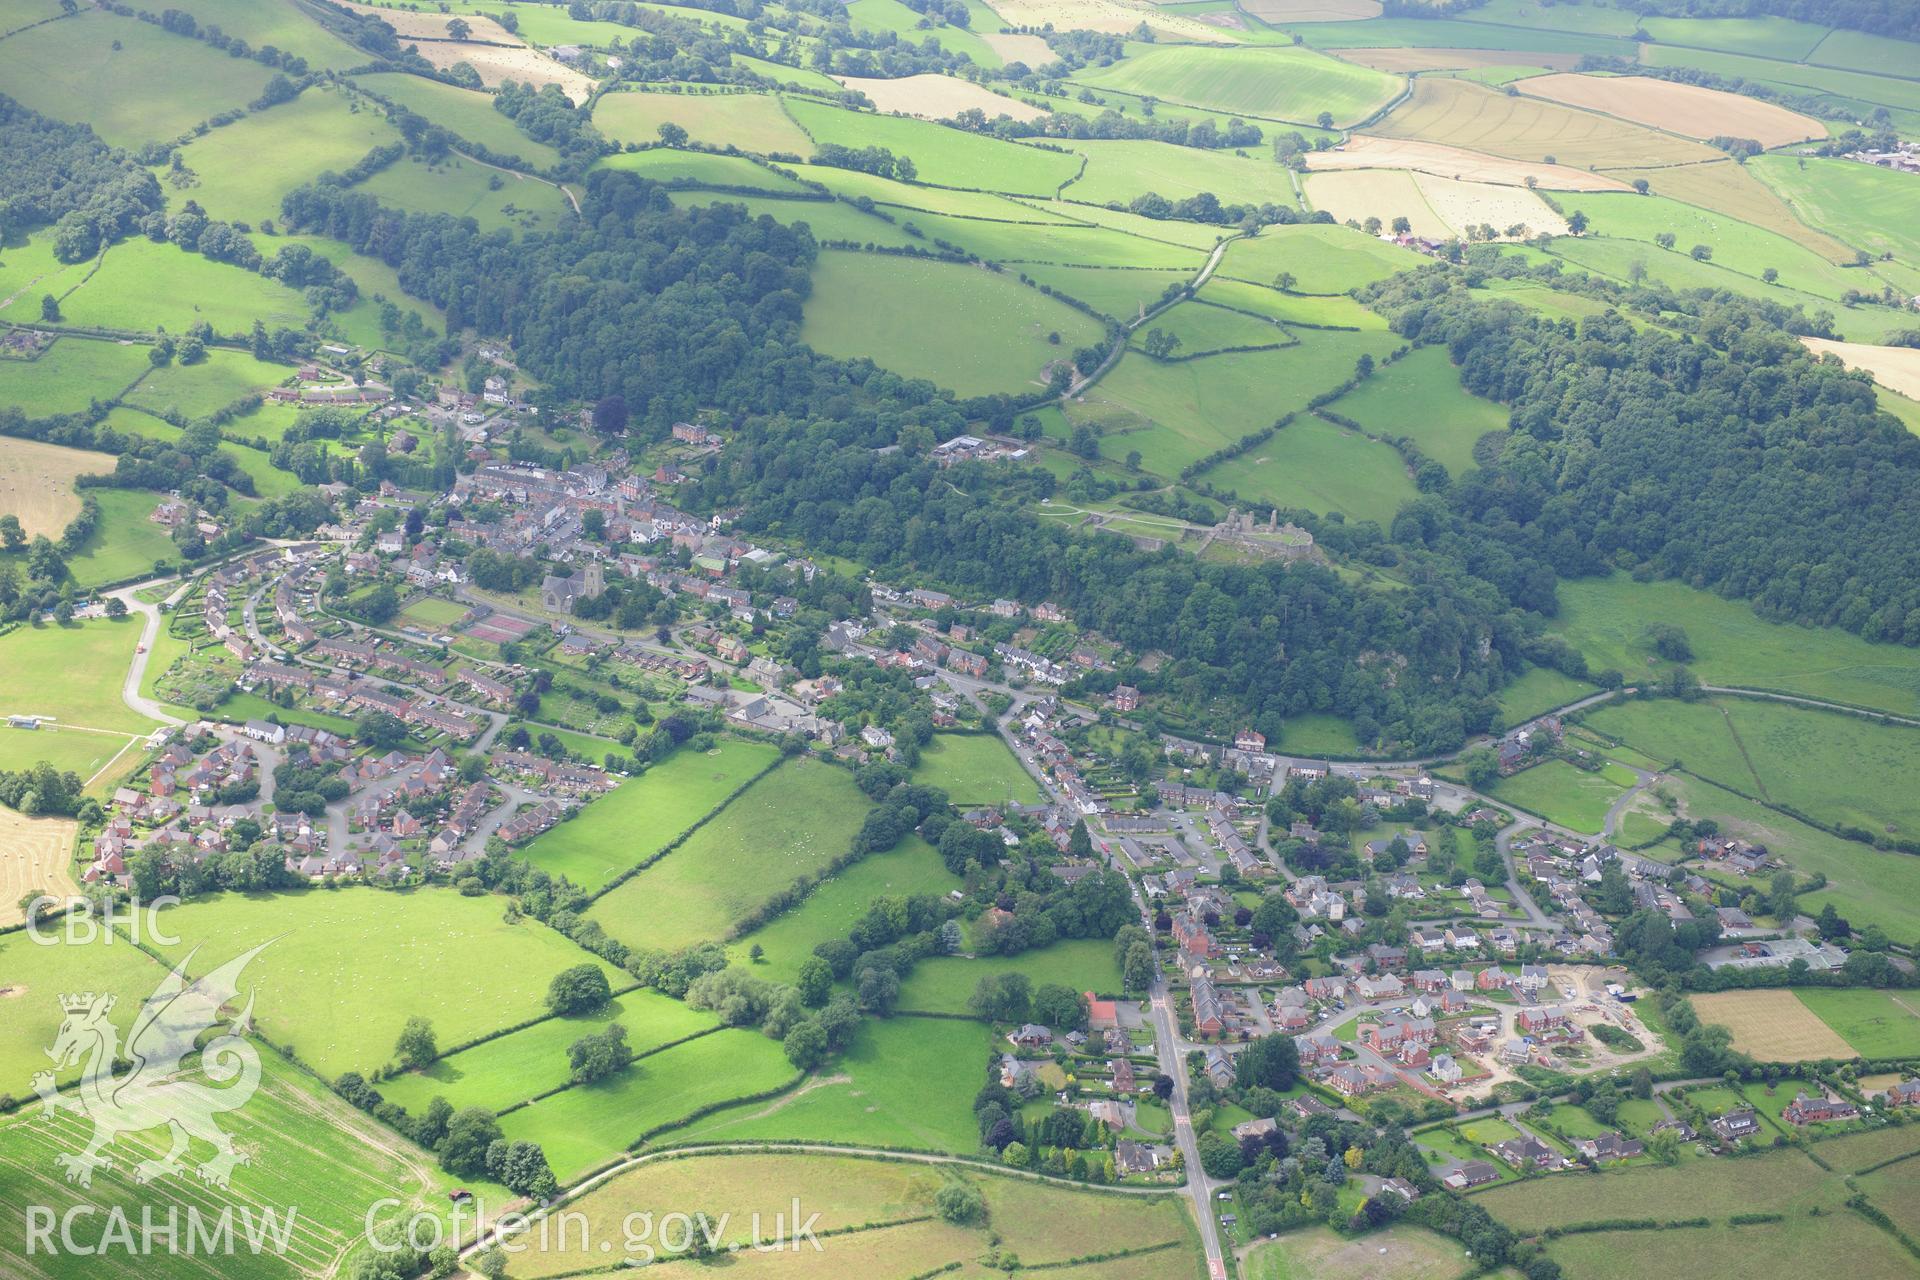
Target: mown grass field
(1878, 1024)
(70, 374)
(975, 768)
(308, 1151)
(36, 484)
(1560, 793)
(1607, 619)
(1862, 205)
(72, 673)
(466, 113)
(909, 868)
(903, 1082)
(124, 542)
(1321, 259)
(1398, 1253)
(942, 156)
(1770, 1251)
(1320, 466)
(642, 814)
(245, 168)
(790, 823)
(1293, 84)
(751, 121)
(130, 80)
(990, 333)
(345, 969)
(1420, 397)
(1118, 171)
(943, 984)
(590, 1124)
(514, 1067)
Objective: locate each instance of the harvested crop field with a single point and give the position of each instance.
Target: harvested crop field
(1118, 17)
(1281, 12)
(1365, 152)
(413, 24)
(1895, 368)
(36, 856)
(499, 63)
(36, 483)
(1357, 194)
(1455, 59)
(1470, 204)
(1270, 83)
(934, 97)
(1468, 115)
(1680, 108)
(1032, 50)
(751, 121)
(1772, 1026)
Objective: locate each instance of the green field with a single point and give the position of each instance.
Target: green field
(130, 80)
(1763, 37)
(1293, 84)
(243, 170)
(1119, 293)
(1862, 205)
(908, 1082)
(789, 824)
(143, 286)
(909, 868)
(307, 1151)
(1901, 94)
(990, 333)
(72, 673)
(1318, 735)
(943, 156)
(1320, 466)
(1770, 1251)
(1175, 414)
(1560, 793)
(1307, 310)
(975, 768)
(432, 611)
(1737, 246)
(827, 219)
(1322, 259)
(1449, 33)
(467, 189)
(39, 975)
(1540, 690)
(515, 1067)
(781, 74)
(852, 184)
(1837, 768)
(750, 121)
(1878, 1024)
(943, 983)
(891, 15)
(1070, 244)
(346, 968)
(124, 543)
(70, 374)
(1119, 171)
(1864, 51)
(1607, 618)
(1205, 329)
(1420, 397)
(465, 113)
(198, 390)
(641, 815)
(590, 1124)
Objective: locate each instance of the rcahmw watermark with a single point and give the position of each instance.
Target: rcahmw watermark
(90, 1231)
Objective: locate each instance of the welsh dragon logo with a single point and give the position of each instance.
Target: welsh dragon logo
(156, 1088)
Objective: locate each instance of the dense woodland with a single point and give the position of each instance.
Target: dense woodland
(62, 173)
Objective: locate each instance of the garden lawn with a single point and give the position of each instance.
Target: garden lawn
(1878, 1024)
(941, 155)
(791, 823)
(910, 867)
(1561, 793)
(1419, 397)
(1607, 618)
(975, 769)
(638, 818)
(1288, 83)
(515, 1067)
(70, 374)
(344, 969)
(591, 1124)
(990, 333)
(943, 984)
(903, 1082)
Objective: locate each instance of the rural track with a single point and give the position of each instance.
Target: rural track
(496, 1234)
(149, 632)
(522, 176)
(1120, 348)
